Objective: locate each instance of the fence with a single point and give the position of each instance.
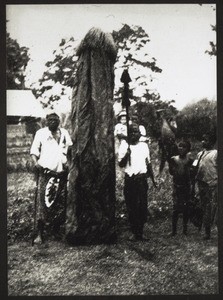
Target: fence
(18, 147)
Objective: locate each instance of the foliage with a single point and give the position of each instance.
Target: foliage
(132, 44)
(133, 54)
(20, 219)
(213, 51)
(57, 80)
(198, 118)
(16, 63)
(147, 112)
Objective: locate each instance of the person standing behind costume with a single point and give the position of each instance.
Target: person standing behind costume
(206, 179)
(49, 153)
(179, 168)
(136, 160)
(143, 138)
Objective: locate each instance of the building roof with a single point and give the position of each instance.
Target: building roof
(24, 104)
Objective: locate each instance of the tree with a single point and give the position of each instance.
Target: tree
(58, 78)
(132, 43)
(16, 63)
(133, 53)
(147, 112)
(198, 118)
(213, 51)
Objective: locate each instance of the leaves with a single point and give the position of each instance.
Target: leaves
(213, 51)
(16, 63)
(133, 52)
(198, 118)
(60, 71)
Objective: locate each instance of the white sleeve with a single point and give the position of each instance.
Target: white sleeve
(36, 145)
(122, 150)
(142, 130)
(116, 130)
(147, 152)
(68, 139)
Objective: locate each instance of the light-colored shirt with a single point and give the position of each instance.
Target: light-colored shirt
(140, 154)
(50, 153)
(120, 129)
(142, 130)
(207, 169)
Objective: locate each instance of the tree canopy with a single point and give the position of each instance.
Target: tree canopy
(213, 51)
(198, 118)
(16, 63)
(133, 53)
(58, 77)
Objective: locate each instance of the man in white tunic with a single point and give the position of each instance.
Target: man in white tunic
(49, 153)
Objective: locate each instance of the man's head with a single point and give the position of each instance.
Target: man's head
(209, 140)
(134, 134)
(135, 119)
(184, 147)
(53, 121)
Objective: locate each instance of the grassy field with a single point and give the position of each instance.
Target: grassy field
(162, 265)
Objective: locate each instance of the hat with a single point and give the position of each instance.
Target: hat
(121, 114)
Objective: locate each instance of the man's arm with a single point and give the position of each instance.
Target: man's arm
(123, 161)
(172, 166)
(123, 154)
(150, 173)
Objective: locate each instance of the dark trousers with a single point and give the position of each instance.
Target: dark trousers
(135, 192)
(181, 198)
(208, 196)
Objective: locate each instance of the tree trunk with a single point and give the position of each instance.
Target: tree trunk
(91, 197)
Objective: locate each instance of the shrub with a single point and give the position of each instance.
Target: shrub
(198, 118)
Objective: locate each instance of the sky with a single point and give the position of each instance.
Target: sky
(179, 36)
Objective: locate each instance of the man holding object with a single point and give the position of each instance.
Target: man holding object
(49, 154)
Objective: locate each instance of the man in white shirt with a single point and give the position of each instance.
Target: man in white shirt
(49, 153)
(136, 160)
(207, 179)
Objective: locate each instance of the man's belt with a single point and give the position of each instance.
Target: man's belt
(51, 173)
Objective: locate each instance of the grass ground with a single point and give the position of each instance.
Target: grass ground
(160, 266)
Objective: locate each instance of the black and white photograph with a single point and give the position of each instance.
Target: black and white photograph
(112, 149)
